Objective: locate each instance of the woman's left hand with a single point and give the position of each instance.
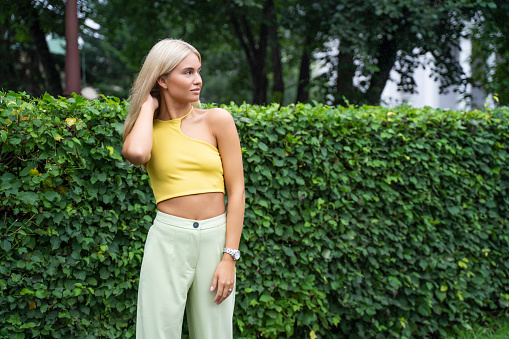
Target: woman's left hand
(224, 279)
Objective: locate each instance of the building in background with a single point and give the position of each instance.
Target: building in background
(428, 93)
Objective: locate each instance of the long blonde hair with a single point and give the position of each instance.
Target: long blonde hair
(161, 60)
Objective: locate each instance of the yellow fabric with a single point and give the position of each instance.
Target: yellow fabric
(180, 165)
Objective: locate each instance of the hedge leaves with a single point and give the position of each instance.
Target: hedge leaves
(360, 221)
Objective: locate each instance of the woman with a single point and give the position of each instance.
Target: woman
(193, 157)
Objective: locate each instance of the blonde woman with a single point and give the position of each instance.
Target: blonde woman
(193, 157)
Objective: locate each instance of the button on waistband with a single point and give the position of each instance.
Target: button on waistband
(195, 225)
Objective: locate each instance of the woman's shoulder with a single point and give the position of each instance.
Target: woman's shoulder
(217, 116)
(219, 120)
(216, 113)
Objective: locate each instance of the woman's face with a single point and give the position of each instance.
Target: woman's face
(184, 82)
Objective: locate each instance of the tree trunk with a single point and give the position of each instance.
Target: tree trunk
(260, 84)
(256, 53)
(45, 58)
(278, 87)
(8, 68)
(345, 90)
(386, 58)
(304, 72)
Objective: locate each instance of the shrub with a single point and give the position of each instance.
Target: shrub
(360, 221)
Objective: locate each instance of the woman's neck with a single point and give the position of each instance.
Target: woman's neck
(170, 111)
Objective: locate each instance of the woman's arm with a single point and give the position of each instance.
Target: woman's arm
(138, 143)
(223, 126)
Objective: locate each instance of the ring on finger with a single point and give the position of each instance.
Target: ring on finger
(229, 290)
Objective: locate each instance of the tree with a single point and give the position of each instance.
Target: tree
(114, 52)
(266, 48)
(24, 25)
(490, 57)
(374, 37)
(143, 24)
(307, 24)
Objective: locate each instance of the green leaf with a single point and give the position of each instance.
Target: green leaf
(26, 291)
(424, 310)
(29, 198)
(6, 245)
(440, 295)
(266, 298)
(40, 294)
(51, 195)
(454, 210)
(263, 146)
(288, 251)
(104, 273)
(55, 242)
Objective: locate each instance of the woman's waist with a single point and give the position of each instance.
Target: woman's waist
(195, 207)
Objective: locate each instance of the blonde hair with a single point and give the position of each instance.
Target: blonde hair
(161, 60)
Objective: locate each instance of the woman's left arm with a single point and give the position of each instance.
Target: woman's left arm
(228, 144)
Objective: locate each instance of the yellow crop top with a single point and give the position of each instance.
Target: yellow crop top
(180, 165)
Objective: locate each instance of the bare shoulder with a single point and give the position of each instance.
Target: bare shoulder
(219, 118)
(218, 115)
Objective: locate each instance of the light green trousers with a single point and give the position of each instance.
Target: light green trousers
(179, 262)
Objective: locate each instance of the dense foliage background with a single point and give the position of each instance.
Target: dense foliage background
(264, 51)
(361, 222)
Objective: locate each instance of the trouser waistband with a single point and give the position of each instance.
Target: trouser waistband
(173, 220)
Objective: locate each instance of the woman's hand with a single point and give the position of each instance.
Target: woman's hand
(151, 102)
(224, 279)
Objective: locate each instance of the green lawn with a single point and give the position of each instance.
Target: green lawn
(494, 328)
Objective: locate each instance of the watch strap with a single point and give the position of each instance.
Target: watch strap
(234, 253)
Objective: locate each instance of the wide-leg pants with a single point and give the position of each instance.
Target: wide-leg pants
(179, 261)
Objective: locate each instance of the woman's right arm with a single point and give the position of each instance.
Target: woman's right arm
(138, 143)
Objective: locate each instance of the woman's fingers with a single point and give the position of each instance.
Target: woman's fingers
(223, 291)
(214, 284)
(152, 101)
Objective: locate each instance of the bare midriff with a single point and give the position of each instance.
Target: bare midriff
(195, 207)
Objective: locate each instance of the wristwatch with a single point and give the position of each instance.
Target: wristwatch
(234, 253)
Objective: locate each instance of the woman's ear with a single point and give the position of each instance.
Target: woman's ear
(163, 81)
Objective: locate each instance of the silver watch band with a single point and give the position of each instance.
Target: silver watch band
(234, 253)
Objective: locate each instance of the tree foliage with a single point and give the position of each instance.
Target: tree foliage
(368, 39)
(490, 58)
(376, 36)
(27, 63)
(264, 51)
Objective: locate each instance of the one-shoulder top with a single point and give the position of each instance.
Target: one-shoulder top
(180, 165)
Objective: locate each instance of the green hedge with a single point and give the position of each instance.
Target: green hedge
(360, 221)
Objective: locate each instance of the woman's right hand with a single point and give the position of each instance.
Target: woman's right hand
(151, 102)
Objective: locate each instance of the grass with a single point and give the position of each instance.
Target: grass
(493, 328)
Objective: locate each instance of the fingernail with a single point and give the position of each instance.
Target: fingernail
(211, 288)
